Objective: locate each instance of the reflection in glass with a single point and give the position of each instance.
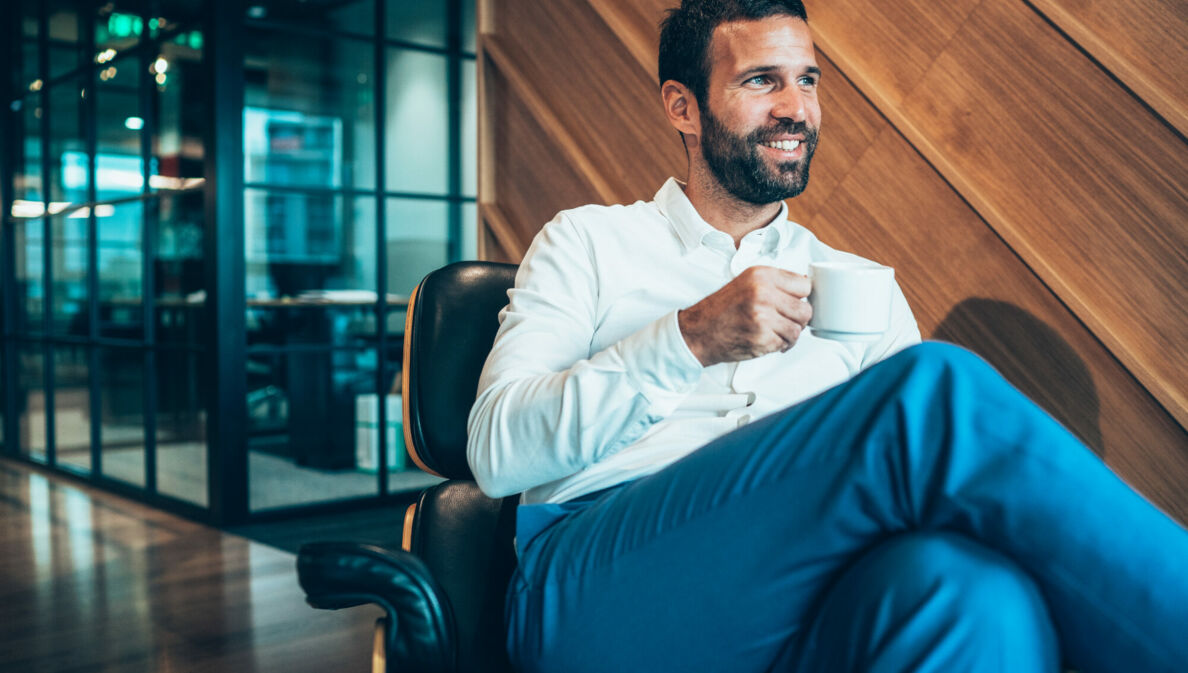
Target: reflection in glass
(299, 245)
(416, 146)
(310, 113)
(118, 27)
(29, 70)
(121, 400)
(420, 22)
(30, 274)
(65, 47)
(119, 254)
(69, 261)
(183, 14)
(178, 266)
(418, 241)
(351, 16)
(181, 425)
(469, 136)
(470, 226)
(403, 474)
(331, 322)
(180, 101)
(120, 171)
(469, 29)
(301, 408)
(30, 401)
(27, 181)
(72, 407)
(69, 169)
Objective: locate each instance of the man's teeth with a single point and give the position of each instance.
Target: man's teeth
(786, 145)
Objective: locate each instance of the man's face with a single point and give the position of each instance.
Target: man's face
(760, 121)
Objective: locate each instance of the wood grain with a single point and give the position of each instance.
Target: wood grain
(590, 80)
(637, 26)
(894, 42)
(91, 582)
(967, 288)
(1080, 179)
(1144, 43)
(502, 230)
(534, 179)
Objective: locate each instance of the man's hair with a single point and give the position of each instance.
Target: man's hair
(686, 32)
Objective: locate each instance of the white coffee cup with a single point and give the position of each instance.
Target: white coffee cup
(851, 300)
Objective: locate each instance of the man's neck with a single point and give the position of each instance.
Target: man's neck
(724, 211)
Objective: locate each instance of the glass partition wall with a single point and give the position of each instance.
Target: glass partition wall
(214, 214)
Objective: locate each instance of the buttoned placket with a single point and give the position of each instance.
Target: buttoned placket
(754, 249)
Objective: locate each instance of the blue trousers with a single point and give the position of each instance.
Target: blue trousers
(924, 516)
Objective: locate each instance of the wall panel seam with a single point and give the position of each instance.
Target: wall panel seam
(500, 226)
(1115, 65)
(548, 121)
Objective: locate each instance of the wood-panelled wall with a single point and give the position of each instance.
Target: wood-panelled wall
(1022, 164)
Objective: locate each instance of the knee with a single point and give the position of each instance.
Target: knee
(937, 368)
(935, 599)
(965, 584)
(943, 356)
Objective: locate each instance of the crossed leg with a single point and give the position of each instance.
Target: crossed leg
(724, 560)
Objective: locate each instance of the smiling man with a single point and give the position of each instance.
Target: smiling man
(709, 486)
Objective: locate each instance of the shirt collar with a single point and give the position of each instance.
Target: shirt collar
(692, 230)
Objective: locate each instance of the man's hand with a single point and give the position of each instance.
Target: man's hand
(759, 312)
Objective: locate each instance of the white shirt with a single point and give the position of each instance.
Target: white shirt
(590, 383)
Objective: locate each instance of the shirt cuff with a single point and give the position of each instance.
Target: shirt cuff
(658, 361)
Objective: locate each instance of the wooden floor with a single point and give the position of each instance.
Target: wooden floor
(92, 582)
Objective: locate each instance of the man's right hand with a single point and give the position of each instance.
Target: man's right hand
(759, 312)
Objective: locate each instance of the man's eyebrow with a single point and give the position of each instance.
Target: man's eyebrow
(757, 70)
(764, 69)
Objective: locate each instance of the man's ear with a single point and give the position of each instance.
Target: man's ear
(680, 106)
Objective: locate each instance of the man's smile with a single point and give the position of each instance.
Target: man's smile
(783, 149)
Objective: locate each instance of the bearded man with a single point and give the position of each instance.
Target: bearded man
(707, 485)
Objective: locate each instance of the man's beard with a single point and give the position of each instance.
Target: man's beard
(735, 161)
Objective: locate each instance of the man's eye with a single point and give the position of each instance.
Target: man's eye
(758, 80)
(807, 81)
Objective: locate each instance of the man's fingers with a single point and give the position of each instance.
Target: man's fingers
(788, 332)
(790, 282)
(795, 309)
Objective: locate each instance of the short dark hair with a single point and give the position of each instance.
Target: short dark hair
(686, 32)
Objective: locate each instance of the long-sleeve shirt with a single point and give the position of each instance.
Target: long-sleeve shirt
(590, 383)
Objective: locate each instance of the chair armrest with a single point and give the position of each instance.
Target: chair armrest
(338, 575)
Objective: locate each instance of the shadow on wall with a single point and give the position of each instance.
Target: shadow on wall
(1032, 356)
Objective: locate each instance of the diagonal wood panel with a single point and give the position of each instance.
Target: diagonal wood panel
(879, 187)
(589, 86)
(965, 288)
(535, 177)
(1077, 175)
(1144, 43)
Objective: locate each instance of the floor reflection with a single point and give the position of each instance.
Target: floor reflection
(89, 581)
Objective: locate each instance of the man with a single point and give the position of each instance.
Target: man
(708, 486)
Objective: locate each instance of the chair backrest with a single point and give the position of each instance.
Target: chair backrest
(452, 319)
(463, 537)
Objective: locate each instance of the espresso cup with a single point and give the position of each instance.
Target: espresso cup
(851, 300)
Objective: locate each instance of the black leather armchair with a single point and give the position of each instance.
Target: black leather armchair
(443, 592)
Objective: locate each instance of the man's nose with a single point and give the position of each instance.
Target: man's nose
(789, 104)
